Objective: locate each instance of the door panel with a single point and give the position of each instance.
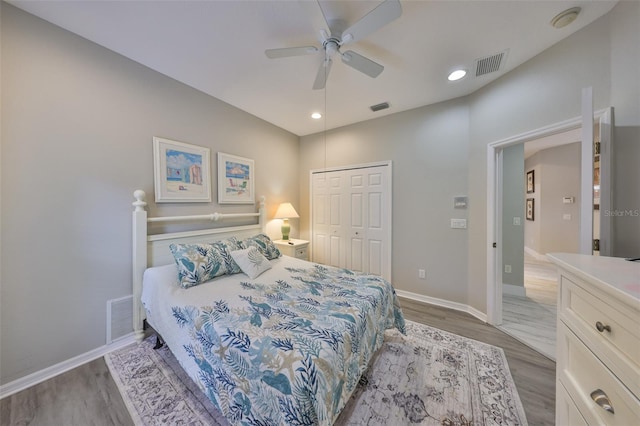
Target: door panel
(356, 255)
(375, 257)
(356, 211)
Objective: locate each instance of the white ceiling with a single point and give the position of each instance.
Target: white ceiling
(559, 139)
(218, 47)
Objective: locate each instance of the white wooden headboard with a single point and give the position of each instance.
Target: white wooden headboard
(153, 250)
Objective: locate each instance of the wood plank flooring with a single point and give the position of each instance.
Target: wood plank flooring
(84, 396)
(87, 395)
(532, 319)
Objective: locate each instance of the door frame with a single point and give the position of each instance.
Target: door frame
(387, 163)
(494, 200)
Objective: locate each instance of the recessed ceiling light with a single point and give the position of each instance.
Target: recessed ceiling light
(316, 116)
(563, 19)
(457, 75)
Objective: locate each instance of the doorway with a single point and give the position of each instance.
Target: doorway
(540, 185)
(495, 201)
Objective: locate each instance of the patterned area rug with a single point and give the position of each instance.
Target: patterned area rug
(429, 377)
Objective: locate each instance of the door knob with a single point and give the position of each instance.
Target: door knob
(601, 327)
(602, 400)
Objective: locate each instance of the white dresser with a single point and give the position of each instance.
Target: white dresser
(598, 346)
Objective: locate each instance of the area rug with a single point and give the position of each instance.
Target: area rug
(429, 377)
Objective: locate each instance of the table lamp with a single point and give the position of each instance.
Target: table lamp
(286, 212)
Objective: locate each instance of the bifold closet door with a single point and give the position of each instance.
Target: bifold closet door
(328, 245)
(352, 219)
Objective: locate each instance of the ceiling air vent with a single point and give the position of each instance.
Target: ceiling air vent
(490, 64)
(379, 107)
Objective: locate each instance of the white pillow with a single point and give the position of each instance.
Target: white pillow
(251, 261)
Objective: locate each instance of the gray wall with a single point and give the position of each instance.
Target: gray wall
(545, 90)
(77, 128)
(557, 175)
(428, 147)
(625, 96)
(77, 122)
(513, 189)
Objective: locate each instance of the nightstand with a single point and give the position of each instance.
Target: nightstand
(293, 248)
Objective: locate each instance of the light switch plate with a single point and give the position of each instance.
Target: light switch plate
(459, 223)
(459, 202)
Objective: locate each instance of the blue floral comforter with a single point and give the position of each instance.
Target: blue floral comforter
(290, 346)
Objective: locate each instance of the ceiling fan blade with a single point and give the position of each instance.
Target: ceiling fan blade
(286, 52)
(318, 20)
(323, 73)
(362, 64)
(384, 13)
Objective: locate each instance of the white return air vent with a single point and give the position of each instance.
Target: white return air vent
(119, 318)
(491, 63)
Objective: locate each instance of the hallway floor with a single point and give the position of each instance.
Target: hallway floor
(532, 319)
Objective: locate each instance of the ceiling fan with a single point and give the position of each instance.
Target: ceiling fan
(333, 36)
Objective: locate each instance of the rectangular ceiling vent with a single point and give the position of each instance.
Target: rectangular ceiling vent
(490, 64)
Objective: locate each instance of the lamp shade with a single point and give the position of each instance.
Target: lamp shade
(286, 211)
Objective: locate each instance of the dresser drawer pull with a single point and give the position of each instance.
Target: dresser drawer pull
(602, 400)
(601, 327)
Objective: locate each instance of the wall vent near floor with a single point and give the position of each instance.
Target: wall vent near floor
(119, 318)
(490, 64)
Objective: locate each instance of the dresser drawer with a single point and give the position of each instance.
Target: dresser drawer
(566, 411)
(612, 333)
(582, 374)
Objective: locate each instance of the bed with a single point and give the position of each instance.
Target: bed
(286, 347)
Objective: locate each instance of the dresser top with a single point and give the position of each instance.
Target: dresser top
(614, 275)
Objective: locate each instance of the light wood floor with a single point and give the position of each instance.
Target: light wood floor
(532, 319)
(88, 395)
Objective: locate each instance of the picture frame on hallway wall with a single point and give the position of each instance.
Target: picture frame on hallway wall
(529, 210)
(531, 182)
(182, 172)
(236, 176)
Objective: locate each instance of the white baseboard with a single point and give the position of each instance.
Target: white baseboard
(444, 303)
(538, 256)
(514, 290)
(49, 372)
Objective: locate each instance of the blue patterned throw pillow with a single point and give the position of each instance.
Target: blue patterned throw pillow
(226, 247)
(264, 245)
(198, 263)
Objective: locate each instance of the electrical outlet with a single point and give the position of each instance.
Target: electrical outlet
(421, 274)
(516, 221)
(507, 269)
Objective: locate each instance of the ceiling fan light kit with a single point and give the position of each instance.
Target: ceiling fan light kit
(383, 14)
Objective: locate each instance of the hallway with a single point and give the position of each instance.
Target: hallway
(532, 319)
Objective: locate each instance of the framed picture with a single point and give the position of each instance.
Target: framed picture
(531, 183)
(182, 172)
(235, 179)
(530, 208)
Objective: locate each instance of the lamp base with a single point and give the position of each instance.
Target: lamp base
(285, 229)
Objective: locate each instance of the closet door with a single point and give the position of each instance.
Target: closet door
(369, 211)
(351, 222)
(328, 238)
